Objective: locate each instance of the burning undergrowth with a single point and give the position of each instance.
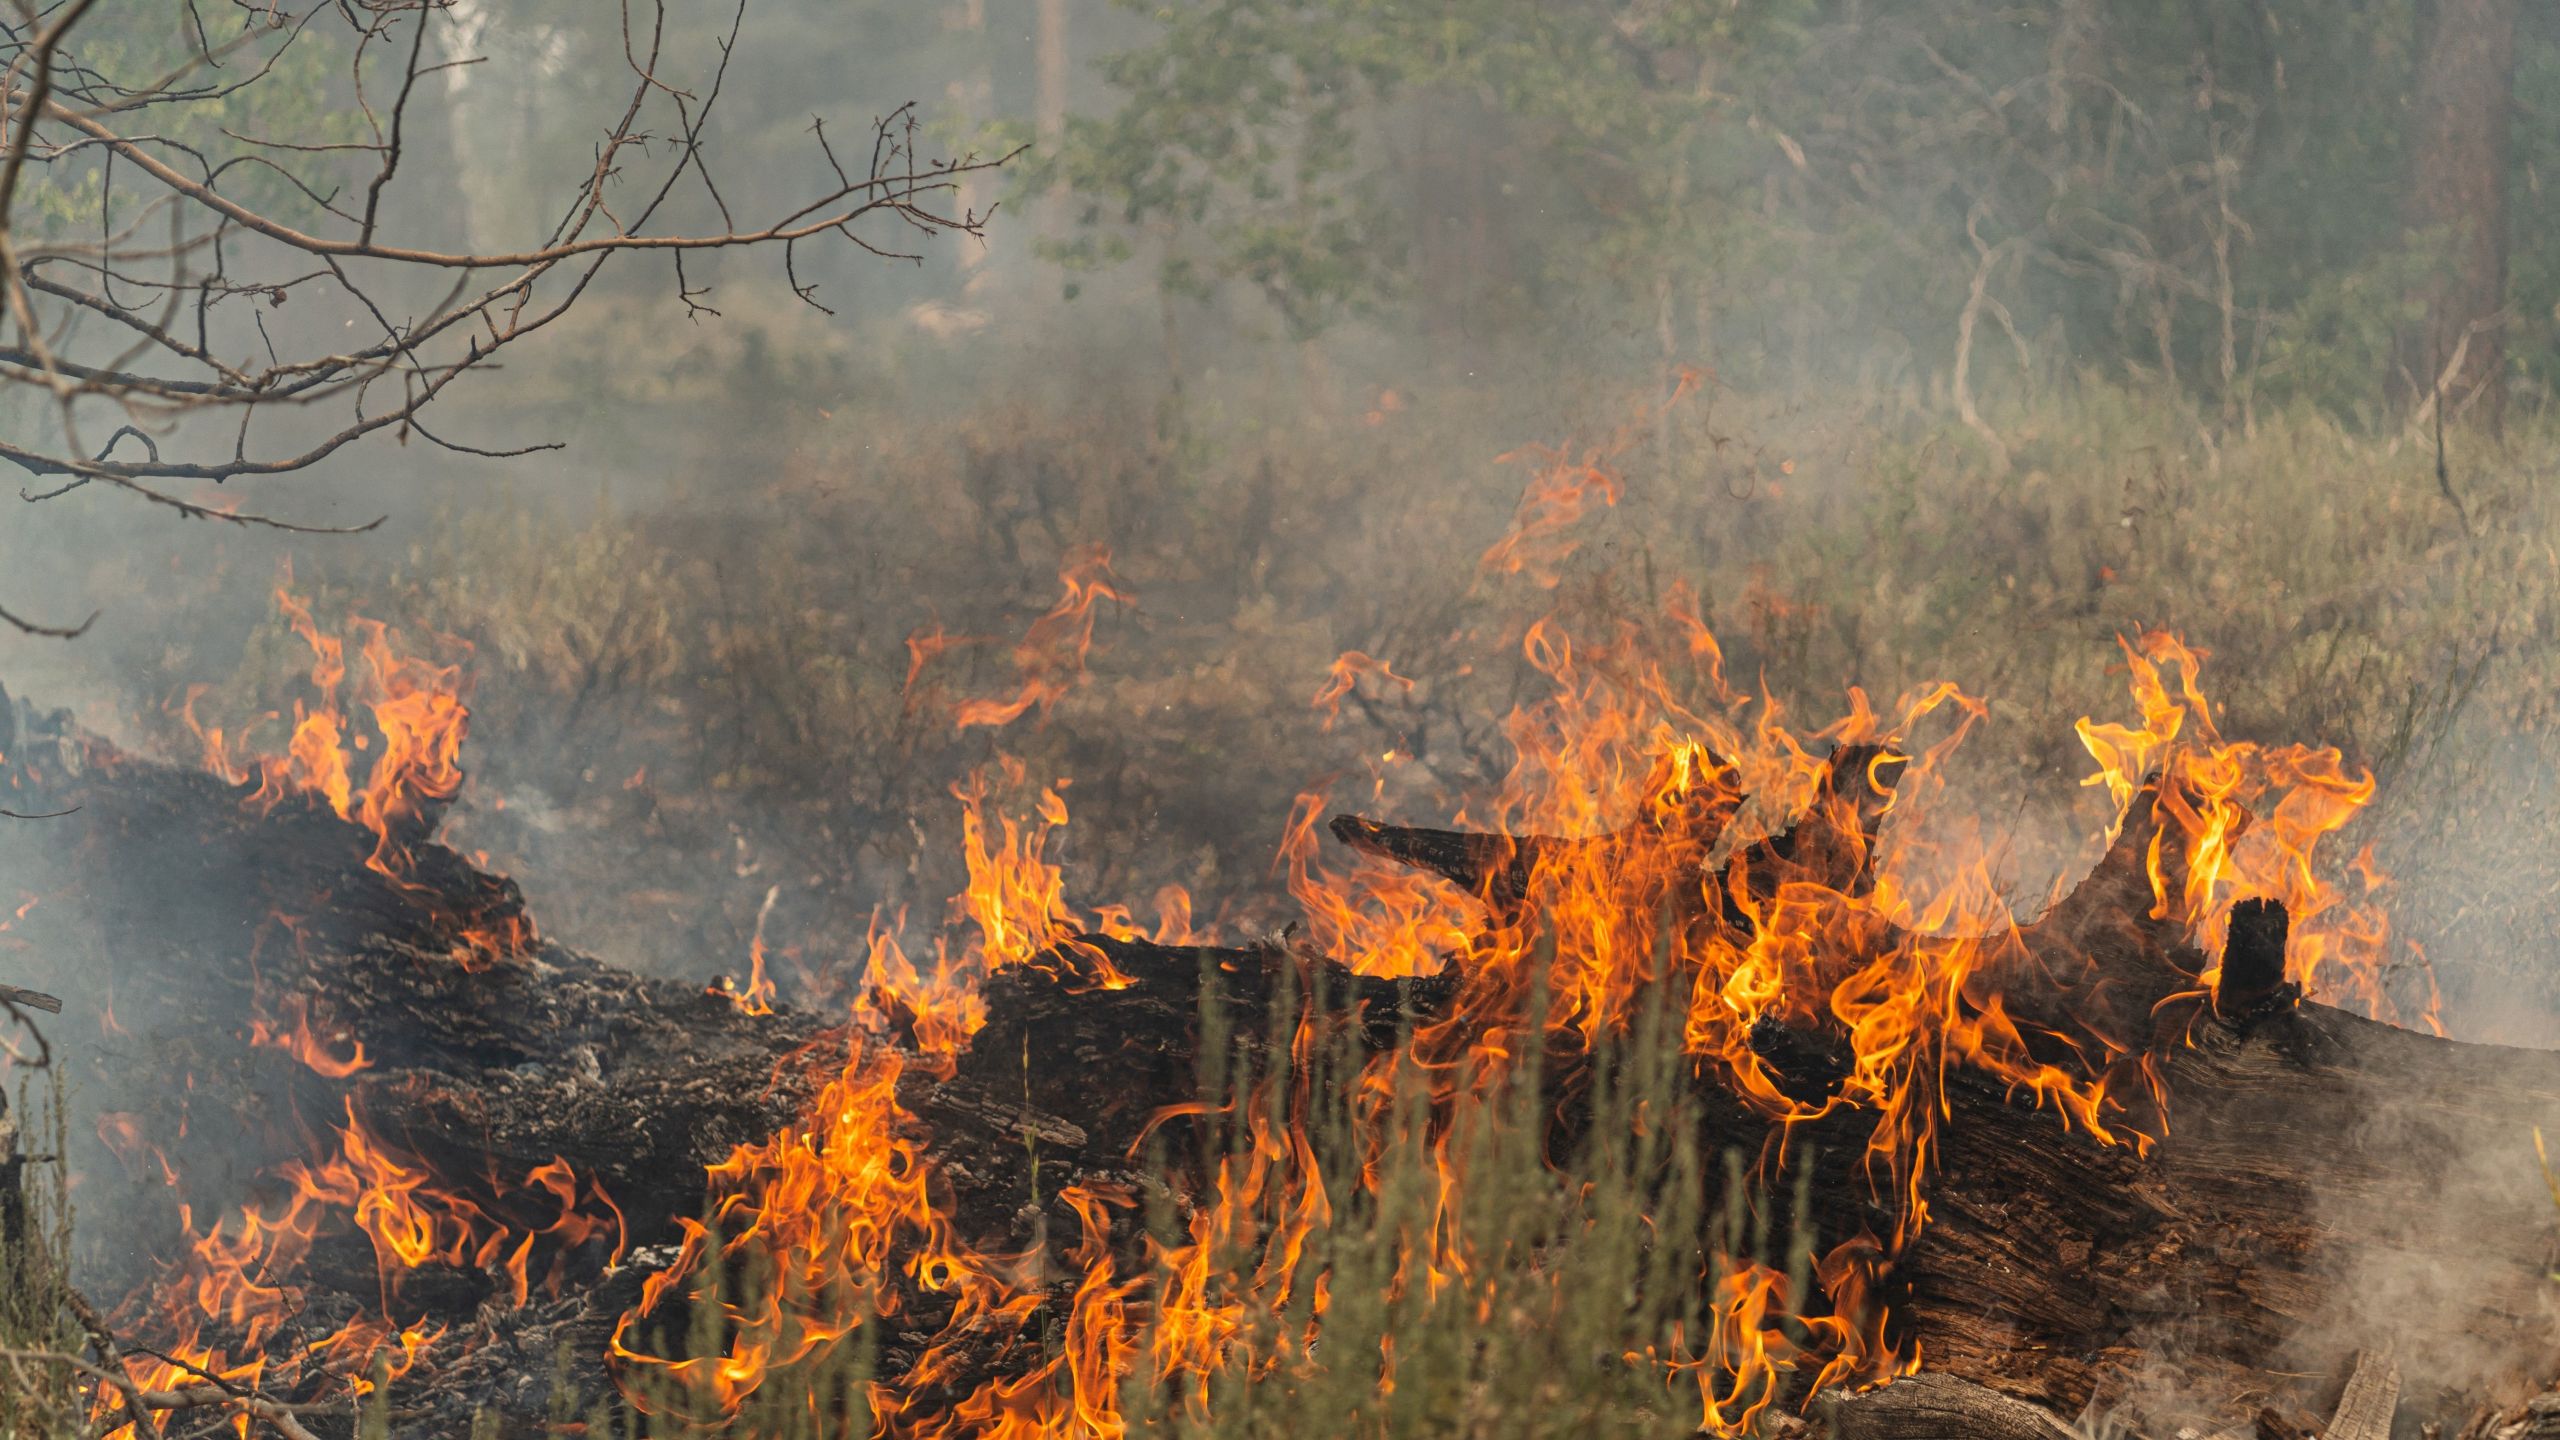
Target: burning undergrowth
(1676, 894)
(1672, 890)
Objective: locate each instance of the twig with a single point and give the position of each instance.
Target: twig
(2444, 476)
(148, 367)
(32, 999)
(25, 626)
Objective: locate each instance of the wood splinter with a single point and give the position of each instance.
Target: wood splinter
(2372, 1395)
(32, 999)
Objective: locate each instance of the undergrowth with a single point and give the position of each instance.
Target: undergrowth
(683, 707)
(1565, 1293)
(42, 1394)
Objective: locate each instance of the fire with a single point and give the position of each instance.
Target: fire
(1051, 655)
(1563, 488)
(822, 1210)
(824, 1207)
(1392, 922)
(835, 1218)
(229, 1309)
(1664, 841)
(1344, 680)
(300, 1042)
(757, 997)
(2241, 822)
(1665, 852)
(407, 748)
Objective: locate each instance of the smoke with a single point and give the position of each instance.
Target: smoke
(2462, 1262)
(693, 727)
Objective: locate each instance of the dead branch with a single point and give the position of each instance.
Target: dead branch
(161, 340)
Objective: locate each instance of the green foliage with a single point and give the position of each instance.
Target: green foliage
(269, 81)
(1258, 142)
(2205, 197)
(1243, 160)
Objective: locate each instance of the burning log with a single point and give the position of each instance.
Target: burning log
(2310, 1154)
(1498, 868)
(2305, 1156)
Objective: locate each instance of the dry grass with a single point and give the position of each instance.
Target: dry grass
(683, 711)
(722, 680)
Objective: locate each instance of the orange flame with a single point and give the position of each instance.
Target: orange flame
(1658, 838)
(1564, 488)
(2241, 821)
(1052, 653)
(302, 1044)
(1664, 835)
(757, 997)
(229, 1311)
(416, 720)
(1344, 678)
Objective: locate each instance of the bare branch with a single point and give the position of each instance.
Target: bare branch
(150, 339)
(50, 632)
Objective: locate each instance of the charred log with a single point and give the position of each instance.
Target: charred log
(2311, 1160)
(2252, 981)
(1833, 839)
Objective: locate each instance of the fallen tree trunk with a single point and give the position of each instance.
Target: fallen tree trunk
(2327, 1185)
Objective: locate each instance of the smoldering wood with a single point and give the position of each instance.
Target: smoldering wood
(2322, 1176)
(2253, 960)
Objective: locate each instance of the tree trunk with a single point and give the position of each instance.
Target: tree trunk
(2457, 204)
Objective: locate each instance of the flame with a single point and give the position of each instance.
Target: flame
(825, 1206)
(1344, 678)
(1664, 845)
(1698, 846)
(416, 718)
(757, 997)
(229, 1311)
(1666, 837)
(1564, 488)
(302, 1044)
(227, 1306)
(1385, 921)
(1051, 655)
(837, 1213)
(2241, 821)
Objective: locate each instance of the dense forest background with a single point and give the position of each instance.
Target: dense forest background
(2005, 328)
